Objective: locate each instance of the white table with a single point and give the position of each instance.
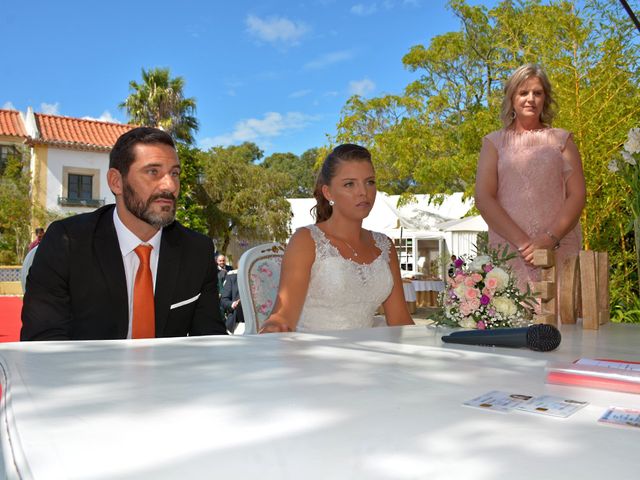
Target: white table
(409, 291)
(381, 403)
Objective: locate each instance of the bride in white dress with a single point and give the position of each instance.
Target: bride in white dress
(335, 274)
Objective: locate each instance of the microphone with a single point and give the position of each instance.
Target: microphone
(539, 337)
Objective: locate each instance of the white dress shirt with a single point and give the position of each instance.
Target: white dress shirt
(128, 242)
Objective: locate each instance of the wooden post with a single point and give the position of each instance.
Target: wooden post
(568, 297)
(589, 290)
(603, 286)
(546, 289)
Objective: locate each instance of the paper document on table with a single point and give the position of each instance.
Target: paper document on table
(625, 417)
(605, 374)
(553, 406)
(498, 401)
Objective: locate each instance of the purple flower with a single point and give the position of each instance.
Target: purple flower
(458, 263)
(487, 267)
(492, 312)
(481, 325)
(484, 300)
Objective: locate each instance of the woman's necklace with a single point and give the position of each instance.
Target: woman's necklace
(355, 254)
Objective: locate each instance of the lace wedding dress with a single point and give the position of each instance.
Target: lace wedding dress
(532, 176)
(344, 294)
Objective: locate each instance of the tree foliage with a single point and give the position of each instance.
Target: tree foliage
(159, 101)
(427, 140)
(243, 198)
(300, 170)
(15, 209)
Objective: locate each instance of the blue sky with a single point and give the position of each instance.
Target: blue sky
(273, 72)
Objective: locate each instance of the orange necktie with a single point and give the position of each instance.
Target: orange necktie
(144, 312)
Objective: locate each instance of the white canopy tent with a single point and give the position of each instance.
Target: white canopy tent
(425, 234)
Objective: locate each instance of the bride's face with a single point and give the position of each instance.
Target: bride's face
(353, 189)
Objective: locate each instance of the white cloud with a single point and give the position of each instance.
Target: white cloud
(276, 29)
(105, 117)
(50, 108)
(361, 87)
(363, 10)
(299, 93)
(328, 59)
(8, 106)
(273, 124)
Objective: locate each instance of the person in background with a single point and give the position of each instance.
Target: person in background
(127, 270)
(36, 242)
(335, 274)
(530, 186)
(230, 301)
(222, 270)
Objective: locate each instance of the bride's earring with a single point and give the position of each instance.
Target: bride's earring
(332, 203)
(513, 114)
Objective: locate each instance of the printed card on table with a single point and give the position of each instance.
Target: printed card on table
(498, 401)
(551, 405)
(625, 417)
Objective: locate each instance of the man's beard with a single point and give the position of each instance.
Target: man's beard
(142, 209)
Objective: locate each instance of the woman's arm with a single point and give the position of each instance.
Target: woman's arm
(395, 306)
(294, 283)
(486, 199)
(569, 214)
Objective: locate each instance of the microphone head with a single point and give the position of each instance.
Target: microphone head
(543, 338)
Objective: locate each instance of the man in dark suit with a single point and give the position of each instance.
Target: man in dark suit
(230, 300)
(84, 281)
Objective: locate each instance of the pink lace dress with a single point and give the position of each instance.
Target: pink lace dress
(532, 175)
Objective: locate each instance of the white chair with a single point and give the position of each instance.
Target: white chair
(258, 281)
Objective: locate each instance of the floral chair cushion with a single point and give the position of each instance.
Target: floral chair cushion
(264, 279)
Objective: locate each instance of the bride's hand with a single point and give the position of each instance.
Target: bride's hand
(273, 326)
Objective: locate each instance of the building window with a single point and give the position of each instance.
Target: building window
(7, 151)
(80, 188)
(404, 248)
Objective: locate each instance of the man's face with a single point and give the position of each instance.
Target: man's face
(222, 261)
(150, 188)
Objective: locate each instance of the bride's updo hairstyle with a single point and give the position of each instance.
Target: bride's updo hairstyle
(347, 152)
(511, 87)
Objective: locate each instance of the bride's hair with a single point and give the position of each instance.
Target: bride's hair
(347, 152)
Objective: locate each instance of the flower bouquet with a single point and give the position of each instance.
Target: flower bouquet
(483, 294)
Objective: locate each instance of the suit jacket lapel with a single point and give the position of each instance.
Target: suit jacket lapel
(167, 275)
(107, 251)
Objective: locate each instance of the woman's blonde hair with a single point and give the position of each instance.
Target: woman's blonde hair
(515, 80)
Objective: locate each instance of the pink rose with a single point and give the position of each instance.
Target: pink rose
(469, 282)
(481, 325)
(476, 277)
(491, 283)
(471, 293)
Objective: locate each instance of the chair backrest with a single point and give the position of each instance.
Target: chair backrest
(26, 265)
(258, 281)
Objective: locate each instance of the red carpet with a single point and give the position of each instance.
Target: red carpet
(10, 322)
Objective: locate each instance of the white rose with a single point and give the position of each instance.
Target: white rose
(501, 276)
(632, 145)
(467, 322)
(613, 165)
(504, 305)
(627, 157)
(478, 262)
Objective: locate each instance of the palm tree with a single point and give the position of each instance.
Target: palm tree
(159, 102)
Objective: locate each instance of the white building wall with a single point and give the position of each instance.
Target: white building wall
(58, 159)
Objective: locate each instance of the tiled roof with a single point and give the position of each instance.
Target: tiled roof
(11, 124)
(78, 133)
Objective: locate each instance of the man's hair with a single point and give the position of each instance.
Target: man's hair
(39, 230)
(122, 155)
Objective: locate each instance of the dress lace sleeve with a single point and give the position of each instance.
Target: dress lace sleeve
(383, 243)
(563, 138)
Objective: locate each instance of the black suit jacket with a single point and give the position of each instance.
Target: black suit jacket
(229, 295)
(76, 288)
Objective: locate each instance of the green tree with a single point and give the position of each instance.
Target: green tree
(300, 170)
(159, 101)
(243, 198)
(429, 137)
(15, 209)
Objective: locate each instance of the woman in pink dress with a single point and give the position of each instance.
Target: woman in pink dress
(530, 185)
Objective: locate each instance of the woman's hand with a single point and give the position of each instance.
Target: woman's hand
(539, 242)
(273, 326)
